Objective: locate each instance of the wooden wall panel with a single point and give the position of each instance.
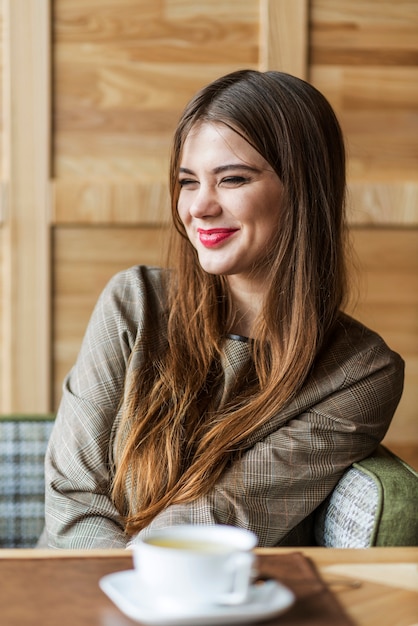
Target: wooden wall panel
(386, 299)
(1, 184)
(1, 95)
(2, 304)
(89, 201)
(383, 204)
(123, 72)
(2, 188)
(25, 349)
(284, 36)
(378, 114)
(84, 261)
(364, 32)
(364, 58)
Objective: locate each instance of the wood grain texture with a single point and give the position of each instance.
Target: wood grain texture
(284, 32)
(116, 202)
(167, 31)
(390, 204)
(386, 299)
(75, 573)
(123, 74)
(25, 349)
(2, 303)
(364, 33)
(364, 58)
(2, 184)
(85, 259)
(2, 44)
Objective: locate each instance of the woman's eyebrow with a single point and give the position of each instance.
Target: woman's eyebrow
(224, 168)
(235, 166)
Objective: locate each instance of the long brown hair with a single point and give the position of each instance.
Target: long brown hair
(174, 442)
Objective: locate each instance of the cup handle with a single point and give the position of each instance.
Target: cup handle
(241, 569)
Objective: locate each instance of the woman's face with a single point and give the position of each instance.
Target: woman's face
(229, 202)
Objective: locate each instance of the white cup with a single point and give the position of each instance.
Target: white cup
(188, 566)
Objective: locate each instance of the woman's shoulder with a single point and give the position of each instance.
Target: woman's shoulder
(352, 335)
(137, 284)
(352, 345)
(139, 277)
(134, 298)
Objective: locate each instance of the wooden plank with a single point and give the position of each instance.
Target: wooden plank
(284, 36)
(385, 283)
(394, 203)
(96, 201)
(113, 202)
(1, 300)
(364, 33)
(3, 187)
(364, 59)
(386, 287)
(1, 88)
(124, 70)
(159, 32)
(122, 129)
(26, 292)
(86, 258)
(377, 109)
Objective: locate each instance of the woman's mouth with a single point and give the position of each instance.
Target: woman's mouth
(214, 236)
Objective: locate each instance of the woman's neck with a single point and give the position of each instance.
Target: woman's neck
(247, 300)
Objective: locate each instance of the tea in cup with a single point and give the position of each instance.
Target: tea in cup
(189, 566)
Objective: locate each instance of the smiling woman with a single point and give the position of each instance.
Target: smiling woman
(230, 389)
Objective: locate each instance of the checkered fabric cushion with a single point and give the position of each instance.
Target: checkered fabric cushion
(23, 443)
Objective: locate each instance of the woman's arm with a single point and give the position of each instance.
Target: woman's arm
(78, 509)
(339, 417)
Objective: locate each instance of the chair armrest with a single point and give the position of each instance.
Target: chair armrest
(375, 503)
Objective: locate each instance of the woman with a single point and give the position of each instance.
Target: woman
(231, 388)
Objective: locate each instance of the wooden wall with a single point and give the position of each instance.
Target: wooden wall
(364, 56)
(91, 92)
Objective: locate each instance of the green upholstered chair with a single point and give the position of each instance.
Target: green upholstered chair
(375, 503)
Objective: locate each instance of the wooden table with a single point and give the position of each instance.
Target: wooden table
(384, 581)
(377, 586)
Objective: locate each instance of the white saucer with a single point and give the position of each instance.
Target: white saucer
(264, 601)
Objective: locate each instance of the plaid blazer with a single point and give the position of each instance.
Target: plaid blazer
(291, 464)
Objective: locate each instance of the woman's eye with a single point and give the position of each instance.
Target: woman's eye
(235, 180)
(187, 182)
(228, 181)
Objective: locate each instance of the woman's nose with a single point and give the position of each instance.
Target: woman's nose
(205, 203)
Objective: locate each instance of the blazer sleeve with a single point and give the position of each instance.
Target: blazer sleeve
(78, 510)
(338, 418)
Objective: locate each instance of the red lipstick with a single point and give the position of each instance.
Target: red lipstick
(214, 236)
